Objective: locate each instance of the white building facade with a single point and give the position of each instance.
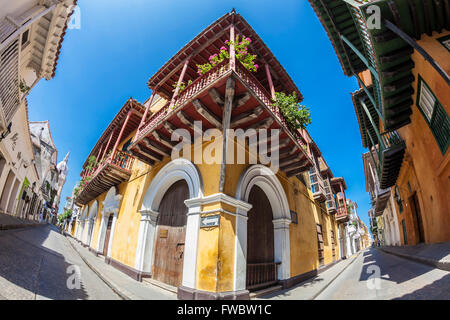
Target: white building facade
(31, 34)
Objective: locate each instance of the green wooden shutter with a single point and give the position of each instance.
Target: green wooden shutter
(434, 114)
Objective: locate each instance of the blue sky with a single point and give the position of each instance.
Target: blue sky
(121, 44)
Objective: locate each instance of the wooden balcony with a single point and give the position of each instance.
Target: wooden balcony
(390, 152)
(204, 100)
(381, 199)
(341, 215)
(115, 170)
(317, 185)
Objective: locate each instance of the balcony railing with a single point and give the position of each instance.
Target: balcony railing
(389, 151)
(331, 203)
(341, 214)
(204, 82)
(261, 275)
(317, 185)
(116, 167)
(198, 85)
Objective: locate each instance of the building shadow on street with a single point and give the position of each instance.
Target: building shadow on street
(391, 268)
(29, 270)
(433, 291)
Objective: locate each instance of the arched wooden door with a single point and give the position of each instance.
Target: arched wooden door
(108, 235)
(170, 235)
(261, 267)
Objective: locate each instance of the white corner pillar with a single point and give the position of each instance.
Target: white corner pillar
(240, 258)
(282, 247)
(191, 244)
(146, 239)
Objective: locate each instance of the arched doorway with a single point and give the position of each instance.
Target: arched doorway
(109, 214)
(272, 192)
(107, 235)
(261, 267)
(183, 172)
(170, 235)
(91, 222)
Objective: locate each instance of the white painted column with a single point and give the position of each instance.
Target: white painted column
(240, 257)
(191, 245)
(146, 239)
(282, 247)
(111, 236)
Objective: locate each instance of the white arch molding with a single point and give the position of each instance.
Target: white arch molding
(177, 169)
(82, 222)
(91, 222)
(111, 206)
(263, 177)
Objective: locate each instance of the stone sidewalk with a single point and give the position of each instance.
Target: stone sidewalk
(436, 254)
(310, 289)
(126, 287)
(8, 222)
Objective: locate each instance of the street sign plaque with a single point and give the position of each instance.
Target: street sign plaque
(210, 221)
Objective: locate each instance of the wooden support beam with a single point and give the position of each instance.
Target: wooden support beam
(226, 119)
(264, 124)
(149, 154)
(180, 80)
(284, 143)
(107, 145)
(121, 133)
(291, 159)
(246, 116)
(242, 100)
(141, 157)
(208, 115)
(169, 127)
(163, 139)
(269, 79)
(288, 152)
(293, 166)
(295, 172)
(155, 147)
(147, 108)
(216, 97)
(185, 119)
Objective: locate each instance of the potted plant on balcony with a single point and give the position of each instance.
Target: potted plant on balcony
(297, 116)
(242, 55)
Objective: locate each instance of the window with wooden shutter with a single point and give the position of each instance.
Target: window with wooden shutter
(434, 114)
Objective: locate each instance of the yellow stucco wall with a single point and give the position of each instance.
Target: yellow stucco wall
(425, 168)
(216, 248)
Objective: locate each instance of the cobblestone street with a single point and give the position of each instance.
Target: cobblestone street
(34, 264)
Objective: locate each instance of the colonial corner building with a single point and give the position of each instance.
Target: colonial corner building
(213, 229)
(31, 36)
(399, 51)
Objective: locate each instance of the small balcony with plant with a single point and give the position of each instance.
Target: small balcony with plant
(225, 78)
(342, 214)
(107, 165)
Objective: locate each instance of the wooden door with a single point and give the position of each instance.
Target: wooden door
(170, 235)
(107, 235)
(333, 245)
(417, 217)
(261, 267)
(320, 244)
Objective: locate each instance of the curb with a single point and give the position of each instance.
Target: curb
(434, 263)
(119, 292)
(332, 280)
